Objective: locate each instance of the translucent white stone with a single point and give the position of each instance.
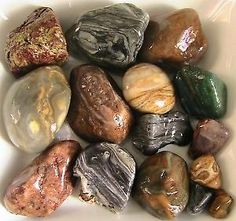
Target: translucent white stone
(35, 108)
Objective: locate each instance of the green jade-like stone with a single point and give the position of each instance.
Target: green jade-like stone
(202, 93)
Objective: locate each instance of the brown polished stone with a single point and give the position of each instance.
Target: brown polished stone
(205, 171)
(97, 112)
(178, 38)
(162, 185)
(221, 205)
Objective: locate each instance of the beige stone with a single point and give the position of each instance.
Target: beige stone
(148, 89)
(205, 171)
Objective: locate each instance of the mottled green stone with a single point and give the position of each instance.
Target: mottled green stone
(202, 93)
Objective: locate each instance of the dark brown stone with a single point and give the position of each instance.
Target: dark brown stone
(97, 112)
(221, 205)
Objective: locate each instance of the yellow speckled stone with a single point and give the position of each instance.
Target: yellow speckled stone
(148, 89)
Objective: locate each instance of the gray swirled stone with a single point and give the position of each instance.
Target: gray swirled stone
(106, 173)
(155, 131)
(112, 35)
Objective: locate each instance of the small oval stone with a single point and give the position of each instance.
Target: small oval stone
(148, 89)
(208, 138)
(162, 185)
(205, 171)
(35, 108)
(153, 131)
(112, 35)
(106, 174)
(97, 112)
(199, 198)
(182, 43)
(202, 93)
(221, 204)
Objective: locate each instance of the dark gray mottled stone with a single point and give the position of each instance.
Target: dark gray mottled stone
(155, 131)
(112, 35)
(106, 173)
(199, 198)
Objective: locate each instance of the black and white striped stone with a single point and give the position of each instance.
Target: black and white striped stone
(112, 35)
(106, 173)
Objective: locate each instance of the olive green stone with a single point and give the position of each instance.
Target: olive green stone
(201, 92)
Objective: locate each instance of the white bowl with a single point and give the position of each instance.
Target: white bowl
(219, 21)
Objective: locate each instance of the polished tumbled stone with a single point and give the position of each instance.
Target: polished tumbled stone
(111, 35)
(155, 131)
(206, 172)
(35, 108)
(106, 173)
(202, 93)
(221, 205)
(162, 185)
(148, 89)
(199, 198)
(210, 136)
